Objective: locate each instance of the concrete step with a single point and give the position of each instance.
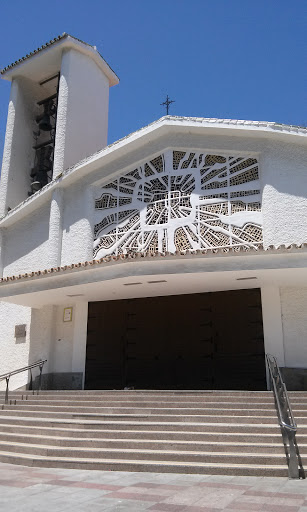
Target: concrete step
(122, 411)
(299, 410)
(146, 465)
(147, 454)
(151, 392)
(41, 402)
(220, 432)
(122, 396)
(144, 416)
(142, 425)
(154, 435)
(138, 443)
(145, 395)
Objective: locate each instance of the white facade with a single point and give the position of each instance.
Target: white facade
(98, 224)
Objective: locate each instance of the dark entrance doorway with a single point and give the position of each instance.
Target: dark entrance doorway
(199, 341)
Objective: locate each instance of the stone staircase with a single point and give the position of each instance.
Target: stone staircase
(218, 432)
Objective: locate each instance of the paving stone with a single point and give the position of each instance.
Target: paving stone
(77, 490)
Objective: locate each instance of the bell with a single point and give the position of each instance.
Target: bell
(44, 123)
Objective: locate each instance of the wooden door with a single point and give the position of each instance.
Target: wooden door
(238, 340)
(104, 350)
(195, 341)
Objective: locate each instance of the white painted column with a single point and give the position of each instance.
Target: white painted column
(1, 252)
(59, 147)
(272, 323)
(55, 227)
(18, 153)
(89, 223)
(79, 338)
(8, 145)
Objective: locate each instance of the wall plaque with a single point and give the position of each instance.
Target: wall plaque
(20, 331)
(67, 315)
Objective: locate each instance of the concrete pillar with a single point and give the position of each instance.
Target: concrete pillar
(7, 150)
(55, 227)
(272, 323)
(59, 148)
(18, 153)
(79, 338)
(89, 223)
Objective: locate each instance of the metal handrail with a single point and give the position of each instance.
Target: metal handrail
(286, 419)
(8, 375)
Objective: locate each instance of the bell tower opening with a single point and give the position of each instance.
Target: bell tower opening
(44, 134)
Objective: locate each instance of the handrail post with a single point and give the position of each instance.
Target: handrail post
(40, 378)
(31, 382)
(6, 401)
(8, 375)
(293, 463)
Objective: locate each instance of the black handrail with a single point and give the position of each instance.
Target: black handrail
(8, 375)
(286, 419)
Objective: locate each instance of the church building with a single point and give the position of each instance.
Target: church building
(174, 258)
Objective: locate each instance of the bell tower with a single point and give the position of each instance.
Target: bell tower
(57, 115)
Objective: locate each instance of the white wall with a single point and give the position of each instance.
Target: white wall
(14, 351)
(78, 220)
(284, 200)
(272, 323)
(26, 244)
(294, 318)
(80, 337)
(42, 335)
(63, 344)
(82, 122)
(68, 343)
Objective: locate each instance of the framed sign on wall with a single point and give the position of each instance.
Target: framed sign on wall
(67, 315)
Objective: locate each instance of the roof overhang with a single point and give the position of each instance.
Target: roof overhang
(144, 275)
(48, 58)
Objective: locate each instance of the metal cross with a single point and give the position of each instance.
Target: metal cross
(167, 103)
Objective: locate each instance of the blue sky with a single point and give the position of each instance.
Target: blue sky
(241, 59)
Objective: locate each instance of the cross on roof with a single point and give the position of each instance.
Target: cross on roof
(167, 103)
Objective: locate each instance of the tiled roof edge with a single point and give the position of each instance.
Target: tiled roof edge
(240, 122)
(49, 43)
(149, 255)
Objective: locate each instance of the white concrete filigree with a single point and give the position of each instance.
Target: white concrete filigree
(180, 200)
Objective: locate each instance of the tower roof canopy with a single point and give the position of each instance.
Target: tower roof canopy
(48, 57)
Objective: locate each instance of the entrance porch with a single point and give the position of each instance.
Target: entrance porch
(193, 321)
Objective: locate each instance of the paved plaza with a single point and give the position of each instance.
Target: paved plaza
(56, 490)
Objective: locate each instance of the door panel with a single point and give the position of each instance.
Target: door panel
(104, 354)
(199, 341)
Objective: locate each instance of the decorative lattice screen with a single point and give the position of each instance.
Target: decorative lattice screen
(178, 201)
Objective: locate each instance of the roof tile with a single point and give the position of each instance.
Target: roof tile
(123, 257)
